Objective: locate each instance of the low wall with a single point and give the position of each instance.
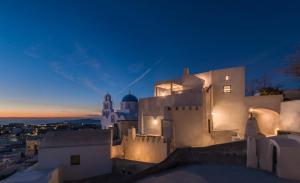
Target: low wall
(55, 176)
(290, 116)
(233, 153)
(128, 167)
(94, 160)
(149, 149)
(271, 102)
(117, 151)
(287, 155)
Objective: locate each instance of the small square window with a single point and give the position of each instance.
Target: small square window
(75, 160)
(227, 77)
(227, 89)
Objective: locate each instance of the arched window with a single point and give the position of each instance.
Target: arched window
(112, 118)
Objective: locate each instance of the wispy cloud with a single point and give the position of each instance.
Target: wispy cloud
(32, 52)
(88, 83)
(266, 55)
(57, 68)
(81, 56)
(140, 77)
(135, 68)
(71, 66)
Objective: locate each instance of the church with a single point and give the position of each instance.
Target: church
(128, 111)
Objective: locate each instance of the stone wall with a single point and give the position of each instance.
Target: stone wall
(129, 167)
(233, 153)
(117, 151)
(150, 149)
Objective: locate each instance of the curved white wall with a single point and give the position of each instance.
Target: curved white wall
(290, 116)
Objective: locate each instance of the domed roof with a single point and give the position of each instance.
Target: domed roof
(129, 98)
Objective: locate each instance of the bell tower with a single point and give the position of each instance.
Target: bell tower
(107, 108)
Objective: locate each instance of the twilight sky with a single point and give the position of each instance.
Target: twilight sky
(58, 58)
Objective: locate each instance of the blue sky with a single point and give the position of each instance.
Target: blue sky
(61, 57)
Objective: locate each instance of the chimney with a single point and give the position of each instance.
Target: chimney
(186, 72)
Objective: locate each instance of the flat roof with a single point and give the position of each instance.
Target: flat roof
(86, 137)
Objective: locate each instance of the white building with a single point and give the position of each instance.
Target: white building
(78, 154)
(277, 154)
(69, 155)
(128, 111)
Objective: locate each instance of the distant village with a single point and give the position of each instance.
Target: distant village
(19, 142)
(197, 118)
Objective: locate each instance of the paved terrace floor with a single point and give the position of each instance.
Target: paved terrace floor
(213, 174)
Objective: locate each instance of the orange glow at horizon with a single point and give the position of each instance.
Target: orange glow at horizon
(21, 110)
(45, 115)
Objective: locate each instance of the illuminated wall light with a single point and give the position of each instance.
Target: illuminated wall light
(251, 110)
(155, 121)
(276, 131)
(213, 113)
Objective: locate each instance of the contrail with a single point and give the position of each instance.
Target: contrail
(140, 77)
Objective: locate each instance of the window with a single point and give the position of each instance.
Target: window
(227, 77)
(227, 89)
(75, 160)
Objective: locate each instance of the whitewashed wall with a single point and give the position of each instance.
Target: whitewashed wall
(290, 116)
(94, 160)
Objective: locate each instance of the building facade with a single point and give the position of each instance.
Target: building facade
(198, 110)
(77, 154)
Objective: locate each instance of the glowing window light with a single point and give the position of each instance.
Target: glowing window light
(227, 89)
(163, 94)
(227, 77)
